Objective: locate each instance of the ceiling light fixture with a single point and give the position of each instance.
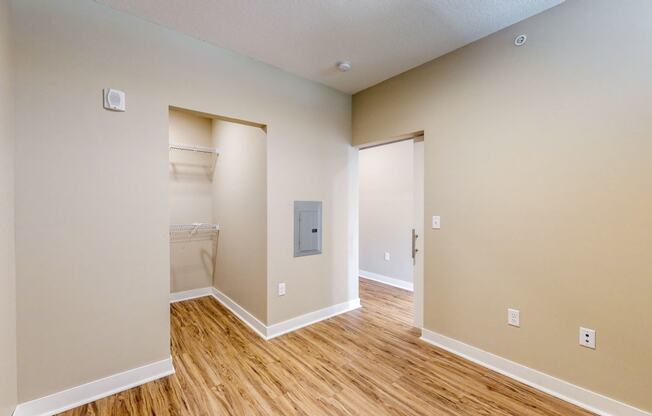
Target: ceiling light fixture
(343, 66)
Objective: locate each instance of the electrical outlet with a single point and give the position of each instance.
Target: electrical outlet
(436, 222)
(281, 289)
(587, 337)
(387, 256)
(514, 317)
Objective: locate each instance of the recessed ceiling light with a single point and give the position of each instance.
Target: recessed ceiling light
(343, 66)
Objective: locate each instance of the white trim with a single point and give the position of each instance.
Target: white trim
(310, 318)
(401, 284)
(89, 392)
(251, 321)
(191, 294)
(292, 324)
(579, 396)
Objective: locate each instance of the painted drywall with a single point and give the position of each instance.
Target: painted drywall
(240, 207)
(537, 159)
(7, 263)
(190, 201)
(315, 163)
(386, 178)
(92, 210)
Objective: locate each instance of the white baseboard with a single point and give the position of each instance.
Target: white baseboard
(275, 330)
(191, 294)
(401, 284)
(250, 320)
(310, 318)
(586, 399)
(89, 392)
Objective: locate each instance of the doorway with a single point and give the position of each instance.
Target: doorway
(391, 217)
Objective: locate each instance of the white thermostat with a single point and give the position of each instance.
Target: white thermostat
(114, 100)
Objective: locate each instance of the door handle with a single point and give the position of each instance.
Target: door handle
(415, 250)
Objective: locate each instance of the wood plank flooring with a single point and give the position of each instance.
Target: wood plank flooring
(366, 362)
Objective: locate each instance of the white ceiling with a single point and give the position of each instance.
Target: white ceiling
(382, 38)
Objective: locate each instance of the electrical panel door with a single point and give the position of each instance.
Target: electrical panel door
(307, 228)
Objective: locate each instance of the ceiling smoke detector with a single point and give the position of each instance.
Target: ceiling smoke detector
(520, 40)
(343, 66)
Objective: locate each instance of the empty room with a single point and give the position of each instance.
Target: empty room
(373, 207)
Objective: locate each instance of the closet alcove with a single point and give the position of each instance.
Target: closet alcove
(218, 204)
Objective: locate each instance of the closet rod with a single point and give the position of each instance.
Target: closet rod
(193, 148)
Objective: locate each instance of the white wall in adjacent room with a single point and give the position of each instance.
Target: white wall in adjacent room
(387, 209)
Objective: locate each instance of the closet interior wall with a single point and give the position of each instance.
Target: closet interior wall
(240, 207)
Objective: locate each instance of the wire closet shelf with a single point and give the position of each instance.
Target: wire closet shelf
(197, 230)
(202, 150)
(194, 227)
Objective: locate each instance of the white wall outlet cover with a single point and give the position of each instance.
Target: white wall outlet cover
(514, 317)
(436, 222)
(387, 256)
(114, 100)
(281, 289)
(587, 337)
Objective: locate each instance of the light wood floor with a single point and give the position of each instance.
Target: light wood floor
(366, 362)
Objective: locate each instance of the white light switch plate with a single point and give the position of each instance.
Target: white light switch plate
(281, 289)
(387, 257)
(436, 222)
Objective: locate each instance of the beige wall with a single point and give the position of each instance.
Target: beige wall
(317, 165)
(7, 264)
(387, 209)
(92, 186)
(538, 161)
(240, 207)
(190, 201)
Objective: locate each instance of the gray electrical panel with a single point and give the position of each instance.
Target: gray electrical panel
(307, 228)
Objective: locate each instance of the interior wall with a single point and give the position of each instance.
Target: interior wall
(387, 209)
(92, 216)
(190, 201)
(240, 208)
(537, 160)
(318, 165)
(7, 263)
